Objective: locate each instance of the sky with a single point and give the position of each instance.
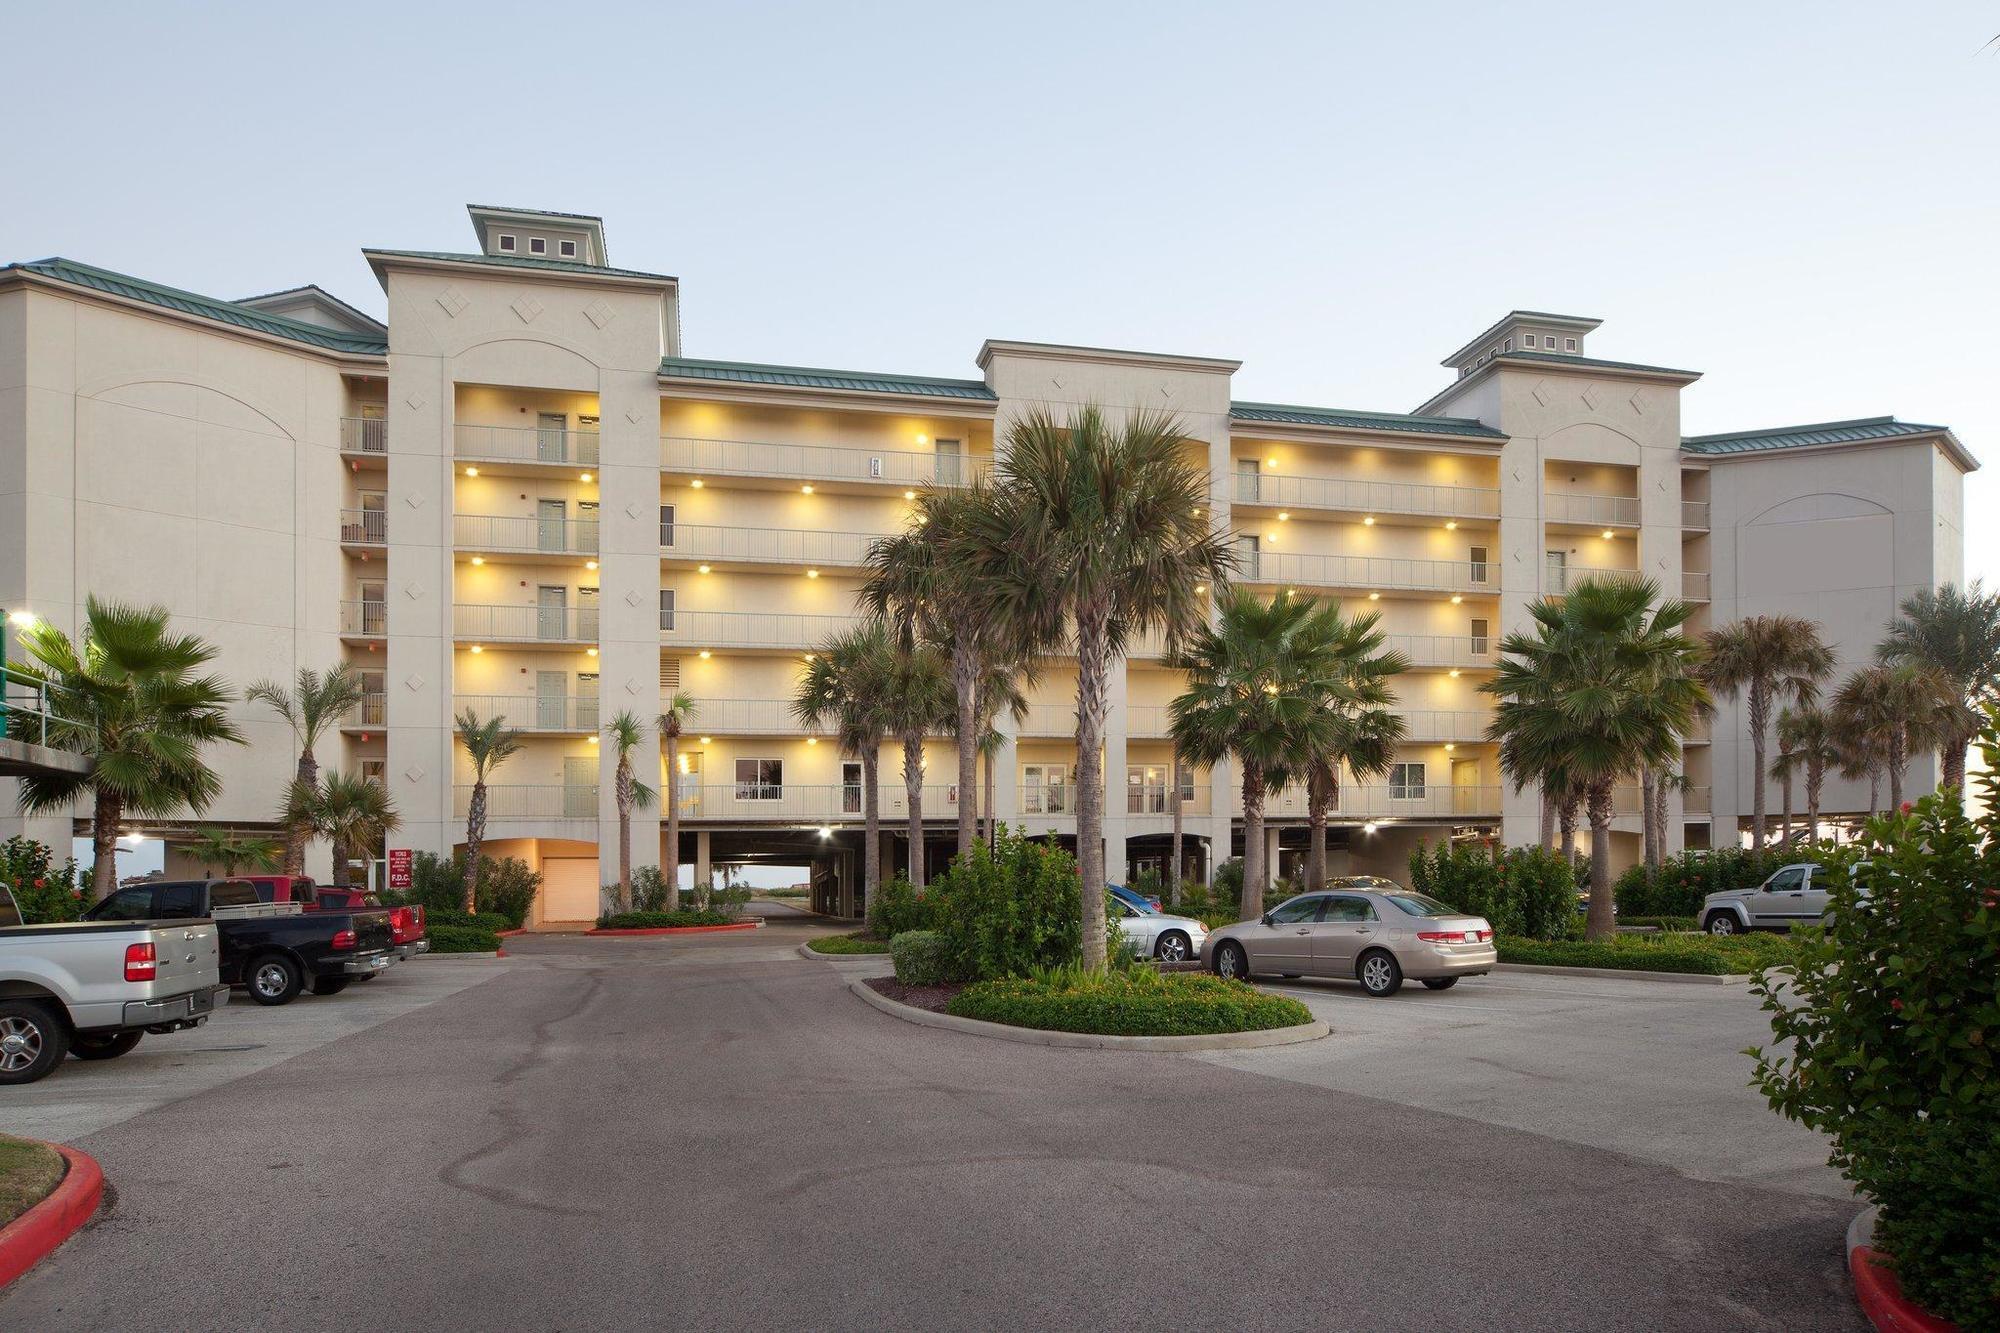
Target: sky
(1801, 201)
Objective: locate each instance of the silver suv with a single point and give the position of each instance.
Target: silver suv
(1793, 895)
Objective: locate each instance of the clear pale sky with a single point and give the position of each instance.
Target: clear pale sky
(1802, 201)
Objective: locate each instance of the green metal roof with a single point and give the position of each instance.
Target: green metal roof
(806, 377)
(206, 307)
(1794, 437)
(1326, 416)
(1569, 359)
(523, 261)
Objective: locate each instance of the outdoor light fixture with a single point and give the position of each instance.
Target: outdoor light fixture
(477, 649)
(1270, 462)
(704, 654)
(478, 559)
(697, 483)
(909, 495)
(825, 831)
(805, 490)
(1449, 747)
(590, 564)
(1199, 511)
(812, 740)
(593, 740)
(1284, 516)
(1368, 522)
(1374, 596)
(590, 652)
(1456, 599)
(1201, 587)
(21, 619)
(702, 568)
(586, 476)
(1454, 673)
(1451, 526)
(1370, 826)
(707, 740)
(472, 472)
(1609, 534)
(922, 438)
(812, 573)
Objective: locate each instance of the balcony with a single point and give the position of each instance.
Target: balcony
(835, 803)
(525, 624)
(1564, 579)
(372, 711)
(750, 717)
(364, 435)
(1589, 510)
(737, 545)
(1149, 801)
(571, 801)
(1360, 496)
(750, 629)
(1696, 801)
(1694, 515)
(524, 533)
(1443, 650)
(364, 527)
(1436, 725)
(1369, 572)
(1381, 801)
(543, 713)
(793, 462)
(1694, 585)
(525, 444)
(366, 619)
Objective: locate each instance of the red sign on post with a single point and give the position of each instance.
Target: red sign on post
(399, 867)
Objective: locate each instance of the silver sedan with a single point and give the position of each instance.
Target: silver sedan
(1375, 935)
(1159, 935)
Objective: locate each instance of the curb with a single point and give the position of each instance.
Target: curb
(1215, 1041)
(35, 1234)
(1626, 974)
(679, 930)
(807, 951)
(1876, 1289)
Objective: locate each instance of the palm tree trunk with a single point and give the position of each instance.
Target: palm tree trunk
(1785, 798)
(913, 788)
(1649, 836)
(1250, 903)
(1875, 789)
(1566, 826)
(1548, 820)
(965, 679)
(1174, 854)
(295, 838)
(1599, 923)
(1660, 794)
(622, 793)
(106, 815)
(1951, 762)
(871, 825)
(671, 869)
(1899, 759)
(1760, 708)
(475, 833)
(1815, 779)
(1093, 667)
(990, 831)
(1319, 796)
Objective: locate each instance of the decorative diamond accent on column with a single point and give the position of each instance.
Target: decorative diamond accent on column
(1638, 402)
(1053, 380)
(452, 302)
(631, 686)
(414, 773)
(633, 510)
(414, 500)
(527, 307)
(413, 682)
(632, 597)
(634, 415)
(1591, 397)
(416, 399)
(599, 313)
(1166, 391)
(1542, 394)
(413, 592)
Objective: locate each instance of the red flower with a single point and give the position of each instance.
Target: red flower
(1907, 807)
(41, 884)
(1897, 1005)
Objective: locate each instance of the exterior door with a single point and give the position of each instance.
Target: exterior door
(549, 525)
(1347, 924)
(586, 701)
(552, 612)
(690, 783)
(1246, 558)
(950, 465)
(850, 787)
(1782, 898)
(1249, 480)
(1286, 944)
(586, 527)
(579, 786)
(1557, 564)
(1465, 786)
(374, 517)
(550, 429)
(374, 608)
(586, 614)
(551, 699)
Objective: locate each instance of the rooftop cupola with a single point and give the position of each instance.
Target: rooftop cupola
(1532, 331)
(533, 233)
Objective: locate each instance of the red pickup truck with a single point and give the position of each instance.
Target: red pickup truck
(407, 927)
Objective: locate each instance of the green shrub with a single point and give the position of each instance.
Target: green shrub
(1467, 876)
(491, 922)
(899, 906)
(507, 887)
(1148, 884)
(922, 958)
(1700, 955)
(462, 939)
(1884, 1035)
(1008, 910)
(1661, 922)
(1539, 892)
(44, 891)
(1681, 882)
(1225, 886)
(1141, 1002)
(687, 916)
(859, 942)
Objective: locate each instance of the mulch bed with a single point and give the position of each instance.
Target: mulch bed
(933, 998)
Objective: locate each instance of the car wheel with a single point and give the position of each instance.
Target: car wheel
(1379, 973)
(1440, 983)
(1721, 923)
(33, 1041)
(1231, 963)
(273, 979)
(330, 985)
(1172, 948)
(104, 1045)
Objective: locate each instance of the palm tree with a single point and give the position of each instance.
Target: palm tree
(1097, 535)
(1352, 685)
(679, 711)
(1781, 769)
(843, 691)
(1889, 710)
(1256, 684)
(1601, 689)
(1001, 689)
(126, 697)
(920, 702)
(354, 812)
(215, 848)
(1956, 634)
(1771, 660)
(314, 704)
(1809, 743)
(626, 734)
(489, 743)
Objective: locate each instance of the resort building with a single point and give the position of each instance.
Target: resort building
(517, 494)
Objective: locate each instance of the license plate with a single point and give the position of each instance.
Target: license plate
(201, 1002)
(378, 962)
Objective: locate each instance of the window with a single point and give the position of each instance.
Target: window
(1476, 557)
(1792, 879)
(1298, 910)
(850, 787)
(1549, 341)
(506, 242)
(1418, 904)
(1480, 632)
(568, 249)
(125, 905)
(1044, 789)
(1186, 784)
(177, 902)
(375, 771)
(1344, 908)
(667, 614)
(1569, 344)
(1406, 782)
(1506, 344)
(670, 672)
(666, 525)
(760, 779)
(538, 246)
(232, 893)
(1146, 789)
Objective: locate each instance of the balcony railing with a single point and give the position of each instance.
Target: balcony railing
(1424, 724)
(525, 624)
(372, 711)
(750, 629)
(1694, 585)
(1367, 571)
(1696, 801)
(754, 458)
(1150, 800)
(1366, 497)
(364, 617)
(1381, 801)
(364, 527)
(524, 532)
(750, 717)
(525, 444)
(364, 435)
(1594, 511)
(695, 541)
(1566, 578)
(508, 801)
(1443, 650)
(1694, 514)
(836, 803)
(534, 712)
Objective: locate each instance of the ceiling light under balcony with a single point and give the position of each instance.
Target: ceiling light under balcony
(478, 559)
(477, 649)
(587, 477)
(1368, 522)
(1454, 673)
(590, 564)
(909, 495)
(1451, 526)
(812, 740)
(1449, 747)
(1374, 596)
(1370, 826)
(1284, 516)
(708, 740)
(825, 831)
(472, 472)
(1609, 534)
(590, 652)
(1201, 587)
(593, 740)
(805, 490)
(697, 483)
(1457, 600)
(702, 568)
(704, 654)
(812, 573)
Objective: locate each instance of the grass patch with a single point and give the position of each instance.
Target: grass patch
(859, 942)
(28, 1171)
(657, 920)
(1700, 955)
(1136, 1003)
(462, 939)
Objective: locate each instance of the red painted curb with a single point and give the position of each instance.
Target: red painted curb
(677, 930)
(34, 1235)
(1882, 1300)
(518, 930)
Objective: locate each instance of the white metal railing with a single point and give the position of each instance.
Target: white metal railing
(1446, 650)
(757, 458)
(1694, 585)
(1694, 514)
(364, 527)
(696, 541)
(524, 532)
(750, 717)
(1362, 496)
(364, 435)
(1565, 578)
(1464, 724)
(1150, 800)
(576, 800)
(1381, 801)
(1366, 571)
(545, 624)
(525, 444)
(1695, 800)
(364, 617)
(372, 711)
(535, 712)
(1593, 510)
(833, 803)
(751, 629)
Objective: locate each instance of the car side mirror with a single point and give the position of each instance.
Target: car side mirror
(1268, 916)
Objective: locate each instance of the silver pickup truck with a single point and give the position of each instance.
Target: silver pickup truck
(93, 988)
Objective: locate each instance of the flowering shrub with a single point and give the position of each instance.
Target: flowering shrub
(1525, 891)
(44, 891)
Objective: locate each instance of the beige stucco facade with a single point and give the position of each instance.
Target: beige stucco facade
(517, 496)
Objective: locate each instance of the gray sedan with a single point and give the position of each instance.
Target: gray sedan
(1376, 935)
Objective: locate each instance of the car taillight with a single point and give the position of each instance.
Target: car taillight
(1454, 936)
(1485, 936)
(141, 963)
(343, 939)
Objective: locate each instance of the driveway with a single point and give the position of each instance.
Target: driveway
(712, 1133)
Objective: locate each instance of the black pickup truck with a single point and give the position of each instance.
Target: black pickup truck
(272, 949)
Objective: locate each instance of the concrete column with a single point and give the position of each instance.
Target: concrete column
(628, 577)
(1519, 559)
(1220, 826)
(1271, 854)
(703, 871)
(417, 666)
